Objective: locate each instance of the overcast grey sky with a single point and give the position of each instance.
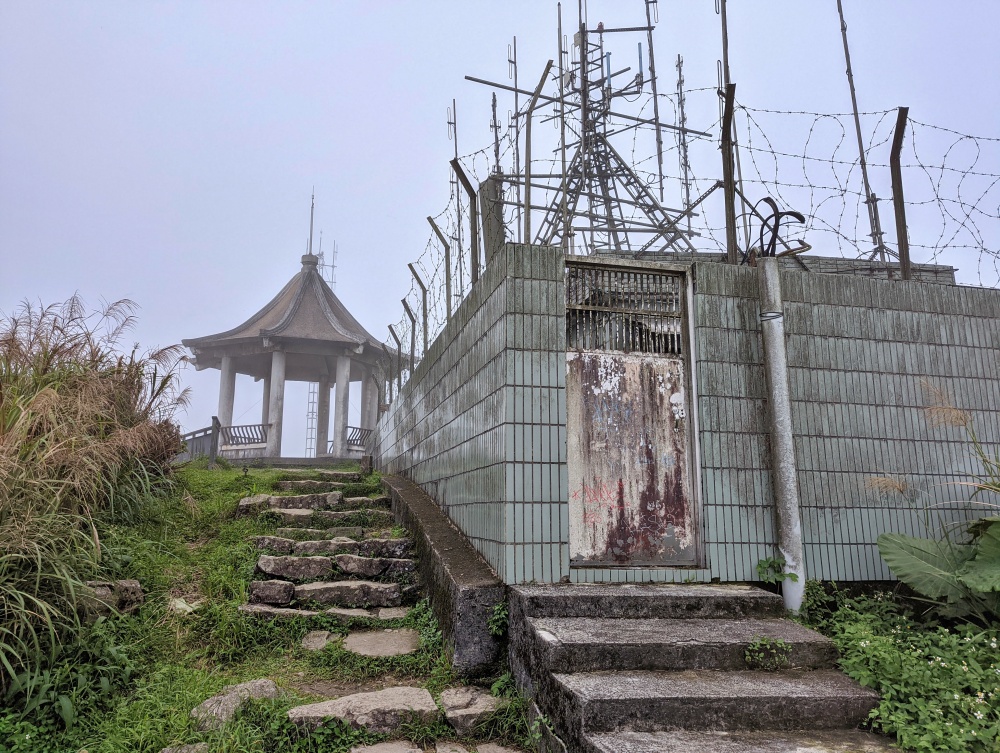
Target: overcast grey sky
(166, 151)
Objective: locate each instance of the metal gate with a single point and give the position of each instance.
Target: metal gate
(630, 480)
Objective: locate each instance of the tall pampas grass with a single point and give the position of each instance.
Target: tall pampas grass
(86, 432)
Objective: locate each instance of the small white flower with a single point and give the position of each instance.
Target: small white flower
(978, 715)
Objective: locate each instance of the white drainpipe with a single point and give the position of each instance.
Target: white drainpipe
(786, 489)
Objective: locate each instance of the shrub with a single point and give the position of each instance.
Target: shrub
(939, 685)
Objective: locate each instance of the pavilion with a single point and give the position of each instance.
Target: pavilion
(304, 334)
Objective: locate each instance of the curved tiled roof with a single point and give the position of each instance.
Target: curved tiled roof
(305, 309)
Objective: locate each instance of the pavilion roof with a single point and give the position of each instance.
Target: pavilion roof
(305, 309)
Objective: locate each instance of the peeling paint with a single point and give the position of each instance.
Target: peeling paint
(630, 492)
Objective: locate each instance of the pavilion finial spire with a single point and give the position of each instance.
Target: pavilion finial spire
(312, 211)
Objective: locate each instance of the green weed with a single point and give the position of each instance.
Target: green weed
(939, 684)
(497, 622)
(772, 570)
(767, 654)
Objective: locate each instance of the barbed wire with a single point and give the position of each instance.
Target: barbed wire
(805, 160)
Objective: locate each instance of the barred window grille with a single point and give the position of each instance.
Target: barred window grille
(614, 309)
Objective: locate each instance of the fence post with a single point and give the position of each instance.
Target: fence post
(728, 179)
(399, 359)
(527, 152)
(413, 334)
(473, 219)
(423, 304)
(213, 449)
(388, 372)
(902, 239)
(447, 266)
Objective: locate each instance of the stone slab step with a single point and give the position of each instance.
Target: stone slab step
(376, 548)
(274, 592)
(339, 545)
(306, 501)
(348, 477)
(679, 741)
(292, 517)
(327, 518)
(350, 593)
(371, 567)
(643, 701)
(309, 567)
(381, 501)
(307, 486)
(381, 711)
(269, 611)
(642, 601)
(295, 568)
(299, 534)
(586, 644)
(276, 544)
(374, 516)
(394, 548)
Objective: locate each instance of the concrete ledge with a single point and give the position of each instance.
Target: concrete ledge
(463, 589)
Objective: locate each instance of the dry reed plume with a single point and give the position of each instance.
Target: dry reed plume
(85, 430)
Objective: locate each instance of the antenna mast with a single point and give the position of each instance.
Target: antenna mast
(453, 180)
(870, 199)
(682, 144)
(653, 15)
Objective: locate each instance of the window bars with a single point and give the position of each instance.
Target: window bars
(623, 310)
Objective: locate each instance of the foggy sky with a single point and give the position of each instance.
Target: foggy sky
(166, 151)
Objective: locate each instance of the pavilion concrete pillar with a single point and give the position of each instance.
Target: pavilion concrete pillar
(277, 404)
(369, 401)
(342, 406)
(323, 417)
(227, 391)
(265, 401)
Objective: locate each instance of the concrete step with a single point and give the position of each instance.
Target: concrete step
(587, 644)
(680, 741)
(644, 701)
(643, 601)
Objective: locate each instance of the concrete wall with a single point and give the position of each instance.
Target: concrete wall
(481, 424)
(859, 352)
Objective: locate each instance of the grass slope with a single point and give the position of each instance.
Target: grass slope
(130, 683)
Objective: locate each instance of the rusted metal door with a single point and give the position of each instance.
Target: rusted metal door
(630, 481)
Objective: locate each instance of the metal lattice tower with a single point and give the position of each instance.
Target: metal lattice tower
(329, 274)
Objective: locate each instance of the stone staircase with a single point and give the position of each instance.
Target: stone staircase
(662, 669)
(323, 558)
